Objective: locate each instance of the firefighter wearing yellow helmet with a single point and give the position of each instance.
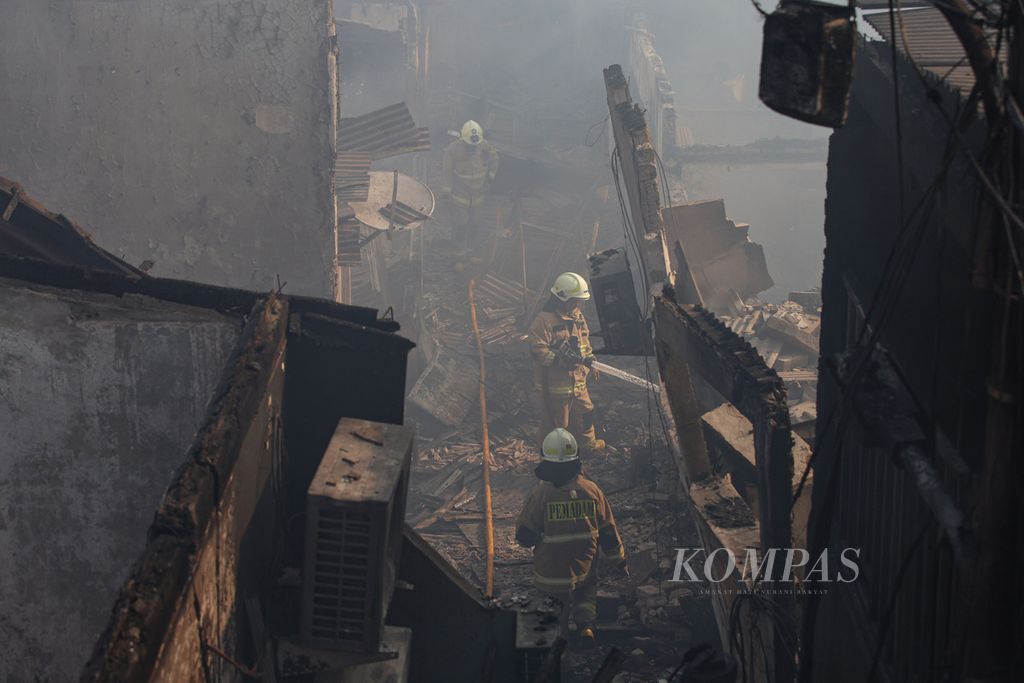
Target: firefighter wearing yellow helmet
(469, 166)
(567, 521)
(559, 341)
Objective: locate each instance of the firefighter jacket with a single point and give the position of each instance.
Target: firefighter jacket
(466, 171)
(566, 525)
(551, 372)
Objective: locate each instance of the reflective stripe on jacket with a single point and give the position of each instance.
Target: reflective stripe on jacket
(548, 330)
(466, 169)
(573, 521)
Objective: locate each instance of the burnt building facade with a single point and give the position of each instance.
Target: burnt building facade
(156, 432)
(162, 438)
(911, 354)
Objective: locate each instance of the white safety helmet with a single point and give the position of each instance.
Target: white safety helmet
(560, 446)
(571, 286)
(472, 133)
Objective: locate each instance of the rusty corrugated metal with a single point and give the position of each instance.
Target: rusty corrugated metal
(931, 43)
(383, 133)
(349, 250)
(352, 176)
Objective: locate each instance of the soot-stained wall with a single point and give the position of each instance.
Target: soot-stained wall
(194, 133)
(102, 397)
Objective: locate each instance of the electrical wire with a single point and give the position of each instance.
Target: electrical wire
(895, 286)
(896, 107)
(890, 609)
(631, 239)
(886, 294)
(602, 122)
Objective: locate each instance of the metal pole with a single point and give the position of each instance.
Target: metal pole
(488, 514)
(522, 249)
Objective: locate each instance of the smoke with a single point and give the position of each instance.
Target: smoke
(541, 63)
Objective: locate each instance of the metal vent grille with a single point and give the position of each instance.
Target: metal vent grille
(341, 581)
(355, 506)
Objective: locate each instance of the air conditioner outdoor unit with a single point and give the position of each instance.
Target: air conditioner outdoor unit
(355, 511)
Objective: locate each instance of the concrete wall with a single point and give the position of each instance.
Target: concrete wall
(101, 397)
(196, 133)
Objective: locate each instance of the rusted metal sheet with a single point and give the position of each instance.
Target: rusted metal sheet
(402, 213)
(932, 43)
(494, 291)
(349, 242)
(352, 176)
(383, 133)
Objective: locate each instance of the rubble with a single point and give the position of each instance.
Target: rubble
(447, 388)
(786, 337)
(810, 300)
(726, 265)
(794, 325)
(445, 504)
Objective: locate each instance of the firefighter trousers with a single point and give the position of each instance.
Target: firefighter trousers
(467, 223)
(580, 603)
(575, 413)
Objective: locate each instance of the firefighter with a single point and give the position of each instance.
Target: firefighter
(567, 521)
(469, 166)
(561, 381)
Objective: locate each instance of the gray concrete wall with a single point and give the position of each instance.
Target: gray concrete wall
(196, 133)
(99, 399)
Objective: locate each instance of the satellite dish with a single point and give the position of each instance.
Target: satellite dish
(414, 202)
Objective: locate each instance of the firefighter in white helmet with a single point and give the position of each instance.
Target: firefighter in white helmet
(469, 166)
(559, 338)
(567, 521)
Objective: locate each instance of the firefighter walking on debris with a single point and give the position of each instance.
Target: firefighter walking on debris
(567, 521)
(467, 171)
(560, 345)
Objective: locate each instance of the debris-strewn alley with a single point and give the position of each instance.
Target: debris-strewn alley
(644, 614)
(477, 341)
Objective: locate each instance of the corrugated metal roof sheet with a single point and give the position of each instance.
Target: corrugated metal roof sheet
(383, 133)
(349, 250)
(352, 176)
(930, 42)
(884, 4)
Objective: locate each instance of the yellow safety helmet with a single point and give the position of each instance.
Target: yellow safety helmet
(571, 286)
(472, 133)
(560, 446)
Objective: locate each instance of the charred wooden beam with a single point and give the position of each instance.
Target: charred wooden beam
(690, 336)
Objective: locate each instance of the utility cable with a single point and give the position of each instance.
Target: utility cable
(897, 110)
